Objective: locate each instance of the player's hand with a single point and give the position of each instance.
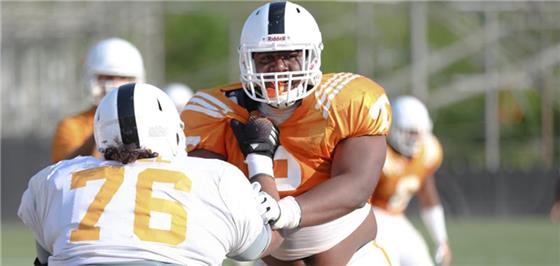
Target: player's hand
(443, 254)
(282, 214)
(289, 215)
(267, 205)
(555, 212)
(258, 136)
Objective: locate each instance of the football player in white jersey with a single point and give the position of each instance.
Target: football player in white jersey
(146, 202)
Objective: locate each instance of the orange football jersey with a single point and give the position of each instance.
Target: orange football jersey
(71, 133)
(344, 105)
(402, 177)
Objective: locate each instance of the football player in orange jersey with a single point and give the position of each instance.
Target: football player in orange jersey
(331, 128)
(109, 64)
(413, 155)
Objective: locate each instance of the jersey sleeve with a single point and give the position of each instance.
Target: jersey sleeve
(432, 155)
(32, 208)
(239, 197)
(361, 109)
(205, 123)
(65, 140)
(71, 133)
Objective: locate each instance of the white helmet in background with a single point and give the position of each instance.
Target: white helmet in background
(112, 57)
(140, 114)
(280, 26)
(411, 120)
(179, 94)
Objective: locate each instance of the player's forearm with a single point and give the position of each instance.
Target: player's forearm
(267, 184)
(557, 191)
(428, 195)
(275, 242)
(332, 199)
(202, 153)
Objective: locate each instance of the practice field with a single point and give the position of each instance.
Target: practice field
(481, 241)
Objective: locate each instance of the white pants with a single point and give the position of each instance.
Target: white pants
(403, 243)
(371, 254)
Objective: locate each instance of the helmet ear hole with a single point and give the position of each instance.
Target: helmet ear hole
(159, 105)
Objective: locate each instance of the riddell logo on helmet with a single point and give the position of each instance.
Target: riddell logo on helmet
(276, 38)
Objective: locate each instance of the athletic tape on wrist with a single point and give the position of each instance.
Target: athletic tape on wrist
(259, 164)
(434, 219)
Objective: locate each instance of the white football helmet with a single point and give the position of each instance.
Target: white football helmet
(411, 121)
(179, 94)
(112, 57)
(280, 26)
(141, 114)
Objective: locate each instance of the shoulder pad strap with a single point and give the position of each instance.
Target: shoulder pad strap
(242, 99)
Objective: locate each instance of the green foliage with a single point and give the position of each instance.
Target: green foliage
(461, 130)
(196, 45)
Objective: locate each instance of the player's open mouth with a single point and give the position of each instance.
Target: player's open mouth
(271, 90)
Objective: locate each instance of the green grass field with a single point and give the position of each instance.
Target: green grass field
(483, 241)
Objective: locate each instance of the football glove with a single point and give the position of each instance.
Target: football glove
(258, 136)
(282, 214)
(266, 205)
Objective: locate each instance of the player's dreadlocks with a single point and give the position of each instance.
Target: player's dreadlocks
(127, 153)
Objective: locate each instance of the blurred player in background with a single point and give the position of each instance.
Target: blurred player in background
(332, 131)
(146, 202)
(555, 210)
(413, 156)
(109, 64)
(179, 94)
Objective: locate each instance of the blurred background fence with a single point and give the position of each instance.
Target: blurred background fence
(488, 71)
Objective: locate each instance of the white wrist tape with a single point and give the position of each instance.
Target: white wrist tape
(434, 220)
(290, 214)
(259, 164)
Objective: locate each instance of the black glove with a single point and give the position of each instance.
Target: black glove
(259, 136)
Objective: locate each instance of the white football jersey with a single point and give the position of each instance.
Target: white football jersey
(188, 211)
